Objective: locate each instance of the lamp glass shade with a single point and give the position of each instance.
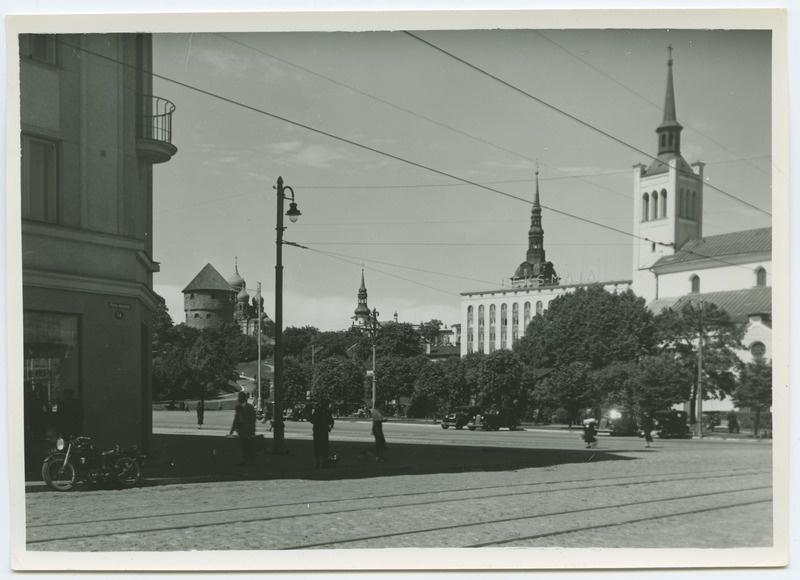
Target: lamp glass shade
(293, 212)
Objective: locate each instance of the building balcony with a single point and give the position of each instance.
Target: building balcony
(154, 138)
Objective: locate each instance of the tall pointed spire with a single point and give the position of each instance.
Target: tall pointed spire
(536, 232)
(669, 132)
(362, 310)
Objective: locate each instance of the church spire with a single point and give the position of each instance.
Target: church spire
(535, 253)
(669, 132)
(362, 310)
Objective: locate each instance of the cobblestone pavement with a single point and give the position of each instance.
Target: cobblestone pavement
(716, 496)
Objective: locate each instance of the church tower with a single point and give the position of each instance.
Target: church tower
(361, 318)
(667, 199)
(535, 270)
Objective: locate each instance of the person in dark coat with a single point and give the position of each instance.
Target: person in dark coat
(589, 432)
(200, 408)
(244, 423)
(647, 428)
(69, 418)
(322, 420)
(378, 417)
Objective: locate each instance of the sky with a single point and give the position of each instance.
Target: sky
(377, 132)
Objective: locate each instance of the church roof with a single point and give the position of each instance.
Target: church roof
(739, 304)
(208, 279)
(732, 244)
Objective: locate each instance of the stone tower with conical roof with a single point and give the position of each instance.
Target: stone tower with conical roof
(208, 300)
(535, 270)
(668, 198)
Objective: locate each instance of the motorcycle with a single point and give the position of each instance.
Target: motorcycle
(77, 460)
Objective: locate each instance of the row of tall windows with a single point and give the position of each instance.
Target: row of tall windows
(481, 324)
(652, 208)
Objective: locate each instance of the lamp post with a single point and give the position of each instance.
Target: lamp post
(293, 213)
(372, 329)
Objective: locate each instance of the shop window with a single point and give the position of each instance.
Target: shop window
(39, 178)
(51, 367)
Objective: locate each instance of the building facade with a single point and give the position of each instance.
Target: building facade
(91, 133)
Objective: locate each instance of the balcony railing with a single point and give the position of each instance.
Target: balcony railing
(155, 131)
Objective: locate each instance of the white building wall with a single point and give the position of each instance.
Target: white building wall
(714, 277)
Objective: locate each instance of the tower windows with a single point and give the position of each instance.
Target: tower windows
(761, 277)
(539, 308)
(645, 207)
(663, 203)
(694, 210)
(695, 279)
(663, 140)
(654, 199)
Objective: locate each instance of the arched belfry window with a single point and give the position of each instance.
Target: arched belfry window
(663, 203)
(654, 200)
(761, 277)
(695, 209)
(695, 284)
(645, 207)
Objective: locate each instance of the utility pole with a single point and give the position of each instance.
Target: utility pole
(699, 420)
(258, 334)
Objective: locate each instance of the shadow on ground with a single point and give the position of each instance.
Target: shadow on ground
(215, 459)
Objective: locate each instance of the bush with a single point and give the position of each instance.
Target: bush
(747, 420)
(560, 416)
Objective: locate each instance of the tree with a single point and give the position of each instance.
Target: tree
(334, 343)
(210, 363)
(398, 339)
(568, 387)
(297, 341)
(500, 380)
(678, 331)
(754, 388)
(656, 383)
(429, 331)
(588, 325)
(430, 390)
(338, 379)
(395, 377)
(296, 380)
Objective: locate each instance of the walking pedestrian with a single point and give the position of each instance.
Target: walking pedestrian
(378, 417)
(244, 424)
(200, 408)
(589, 432)
(322, 420)
(647, 427)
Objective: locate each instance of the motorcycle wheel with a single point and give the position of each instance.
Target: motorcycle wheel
(127, 472)
(58, 476)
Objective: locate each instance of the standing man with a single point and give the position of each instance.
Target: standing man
(200, 408)
(378, 417)
(322, 420)
(244, 423)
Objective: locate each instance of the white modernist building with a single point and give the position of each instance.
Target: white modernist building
(672, 262)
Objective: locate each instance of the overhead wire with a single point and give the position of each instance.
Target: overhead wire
(573, 117)
(359, 145)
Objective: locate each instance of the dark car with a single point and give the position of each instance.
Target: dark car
(671, 425)
(298, 412)
(460, 416)
(495, 419)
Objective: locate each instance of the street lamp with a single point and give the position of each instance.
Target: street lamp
(372, 327)
(293, 213)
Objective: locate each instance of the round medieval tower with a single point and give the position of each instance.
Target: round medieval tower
(208, 300)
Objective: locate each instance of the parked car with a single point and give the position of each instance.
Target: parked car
(460, 416)
(495, 419)
(297, 412)
(671, 425)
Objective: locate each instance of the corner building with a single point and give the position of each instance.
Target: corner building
(91, 133)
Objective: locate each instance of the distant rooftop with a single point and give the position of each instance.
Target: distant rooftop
(739, 304)
(732, 244)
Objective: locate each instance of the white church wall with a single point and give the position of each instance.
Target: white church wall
(715, 278)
